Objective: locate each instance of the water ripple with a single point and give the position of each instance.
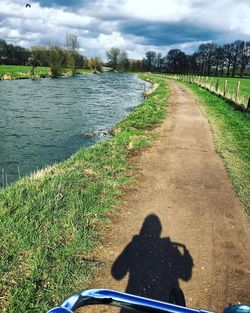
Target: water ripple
(41, 120)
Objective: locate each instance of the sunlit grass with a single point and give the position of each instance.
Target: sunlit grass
(232, 83)
(23, 71)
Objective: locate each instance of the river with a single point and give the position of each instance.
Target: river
(43, 121)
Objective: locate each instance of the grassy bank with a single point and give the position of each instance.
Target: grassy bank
(50, 221)
(21, 72)
(231, 132)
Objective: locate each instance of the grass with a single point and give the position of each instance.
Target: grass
(231, 132)
(232, 84)
(18, 72)
(50, 221)
(210, 83)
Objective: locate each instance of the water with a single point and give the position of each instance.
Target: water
(42, 121)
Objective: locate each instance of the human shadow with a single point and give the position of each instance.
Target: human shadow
(154, 264)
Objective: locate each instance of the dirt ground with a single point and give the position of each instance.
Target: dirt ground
(181, 223)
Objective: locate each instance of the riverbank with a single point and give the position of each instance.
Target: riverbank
(10, 72)
(50, 221)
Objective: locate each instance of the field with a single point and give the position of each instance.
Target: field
(16, 71)
(232, 84)
(239, 96)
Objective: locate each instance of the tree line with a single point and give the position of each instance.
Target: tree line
(210, 59)
(52, 56)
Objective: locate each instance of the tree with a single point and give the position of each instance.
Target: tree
(34, 59)
(205, 57)
(176, 61)
(95, 64)
(72, 45)
(236, 47)
(218, 59)
(3, 52)
(112, 56)
(159, 63)
(123, 62)
(244, 56)
(150, 61)
(228, 57)
(55, 60)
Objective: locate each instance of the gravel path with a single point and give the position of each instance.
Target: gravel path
(181, 223)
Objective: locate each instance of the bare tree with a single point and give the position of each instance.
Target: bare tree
(236, 47)
(244, 56)
(72, 45)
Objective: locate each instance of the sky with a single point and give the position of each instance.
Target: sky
(136, 26)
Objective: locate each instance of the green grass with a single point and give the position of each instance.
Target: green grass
(17, 72)
(231, 132)
(50, 221)
(232, 84)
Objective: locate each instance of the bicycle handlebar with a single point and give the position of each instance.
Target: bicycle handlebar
(120, 299)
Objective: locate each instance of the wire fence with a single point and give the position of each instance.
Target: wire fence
(217, 87)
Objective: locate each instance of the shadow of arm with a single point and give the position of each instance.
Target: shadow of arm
(120, 266)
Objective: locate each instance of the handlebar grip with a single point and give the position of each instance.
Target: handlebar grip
(237, 308)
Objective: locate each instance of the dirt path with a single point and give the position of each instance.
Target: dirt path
(184, 183)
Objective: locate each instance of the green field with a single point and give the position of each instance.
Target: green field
(50, 221)
(210, 83)
(232, 84)
(16, 71)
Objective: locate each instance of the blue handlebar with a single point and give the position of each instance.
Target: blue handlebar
(124, 300)
(120, 299)
(59, 310)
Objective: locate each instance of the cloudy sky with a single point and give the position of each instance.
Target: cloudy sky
(134, 25)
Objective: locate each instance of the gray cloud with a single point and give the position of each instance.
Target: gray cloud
(136, 26)
(161, 34)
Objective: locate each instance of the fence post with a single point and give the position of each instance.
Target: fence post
(217, 85)
(206, 82)
(225, 89)
(202, 81)
(248, 105)
(210, 84)
(237, 91)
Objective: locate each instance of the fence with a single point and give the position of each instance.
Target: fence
(215, 86)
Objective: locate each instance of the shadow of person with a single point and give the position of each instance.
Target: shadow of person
(154, 264)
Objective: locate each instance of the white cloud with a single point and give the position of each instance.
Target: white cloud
(99, 24)
(158, 10)
(223, 14)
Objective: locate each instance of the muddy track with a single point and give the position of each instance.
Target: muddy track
(181, 223)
